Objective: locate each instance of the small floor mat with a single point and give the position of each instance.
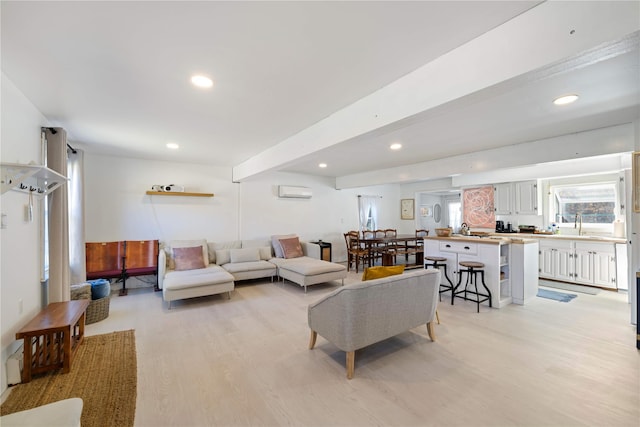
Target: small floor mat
(556, 296)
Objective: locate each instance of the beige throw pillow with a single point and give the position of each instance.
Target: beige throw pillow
(244, 255)
(188, 258)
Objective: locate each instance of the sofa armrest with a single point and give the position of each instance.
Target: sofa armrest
(311, 250)
(162, 267)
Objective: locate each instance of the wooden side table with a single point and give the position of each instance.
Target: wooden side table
(325, 250)
(52, 338)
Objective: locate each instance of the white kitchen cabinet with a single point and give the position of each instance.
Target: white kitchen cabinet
(556, 260)
(595, 264)
(526, 198)
(517, 198)
(503, 199)
(588, 263)
(487, 253)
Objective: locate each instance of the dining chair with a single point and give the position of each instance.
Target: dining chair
(356, 252)
(376, 249)
(420, 235)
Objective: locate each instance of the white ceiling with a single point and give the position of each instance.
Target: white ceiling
(116, 76)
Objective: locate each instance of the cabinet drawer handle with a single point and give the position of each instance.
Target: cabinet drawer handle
(467, 247)
(448, 246)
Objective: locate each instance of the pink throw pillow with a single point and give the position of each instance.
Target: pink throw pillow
(188, 258)
(291, 247)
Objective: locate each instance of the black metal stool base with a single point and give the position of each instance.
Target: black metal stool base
(472, 278)
(433, 262)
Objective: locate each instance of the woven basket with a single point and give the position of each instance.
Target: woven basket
(98, 310)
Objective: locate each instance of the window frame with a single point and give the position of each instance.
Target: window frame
(593, 227)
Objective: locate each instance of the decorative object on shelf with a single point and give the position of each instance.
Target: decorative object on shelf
(426, 211)
(437, 212)
(407, 209)
(171, 188)
(29, 178)
(178, 193)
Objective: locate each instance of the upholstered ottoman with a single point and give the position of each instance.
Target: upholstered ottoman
(306, 271)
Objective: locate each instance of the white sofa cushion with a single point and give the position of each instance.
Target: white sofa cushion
(239, 267)
(223, 256)
(265, 253)
(307, 266)
(215, 246)
(211, 275)
(244, 255)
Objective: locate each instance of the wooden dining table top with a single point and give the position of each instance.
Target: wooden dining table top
(398, 238)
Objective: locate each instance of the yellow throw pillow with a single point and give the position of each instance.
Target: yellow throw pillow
(380, 272)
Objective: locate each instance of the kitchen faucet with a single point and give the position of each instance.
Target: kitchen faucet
(575, 224)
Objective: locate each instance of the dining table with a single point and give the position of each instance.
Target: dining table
(392, 246)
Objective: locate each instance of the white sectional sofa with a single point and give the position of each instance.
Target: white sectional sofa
(193, 268)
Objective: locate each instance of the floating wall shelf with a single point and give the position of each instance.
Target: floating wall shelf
(36, 179)
(178, 193)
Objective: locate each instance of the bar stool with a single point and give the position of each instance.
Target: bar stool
(432, 261)
(472, 269)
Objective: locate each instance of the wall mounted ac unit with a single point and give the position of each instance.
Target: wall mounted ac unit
(288, 191)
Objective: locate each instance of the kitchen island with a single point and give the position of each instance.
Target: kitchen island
(510, 263)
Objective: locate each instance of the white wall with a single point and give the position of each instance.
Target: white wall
(428, 222)
(19, 248)
(327, 215)
(118, 209)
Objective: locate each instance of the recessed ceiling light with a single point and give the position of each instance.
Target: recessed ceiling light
(202, 81)
(565, 99)
(395, 146)
(322, 165)
(172, 145)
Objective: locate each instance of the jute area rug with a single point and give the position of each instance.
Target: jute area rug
(103, 375)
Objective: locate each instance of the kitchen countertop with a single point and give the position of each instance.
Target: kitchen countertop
(563, 237)
(489, 239)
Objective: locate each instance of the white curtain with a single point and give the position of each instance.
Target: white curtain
(59, 289)
(75, 170)
(368, 212)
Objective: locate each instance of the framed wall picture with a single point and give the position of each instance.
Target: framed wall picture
(426, 211)
(407, 209)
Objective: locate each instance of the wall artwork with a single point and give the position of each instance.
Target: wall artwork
(426, 211)
(407, 208)
(478, 210)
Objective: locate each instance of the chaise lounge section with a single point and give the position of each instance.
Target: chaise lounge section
(299, 262)
(185, 272)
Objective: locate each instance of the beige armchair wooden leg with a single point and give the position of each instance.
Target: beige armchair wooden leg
(437, 317)
(351, 363)
(430, 329)
(312, 339)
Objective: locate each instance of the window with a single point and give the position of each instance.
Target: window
(595, 203)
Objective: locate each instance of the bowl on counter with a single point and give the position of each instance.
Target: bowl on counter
(444, 232)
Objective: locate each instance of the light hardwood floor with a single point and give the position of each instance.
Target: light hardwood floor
(244, 362)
